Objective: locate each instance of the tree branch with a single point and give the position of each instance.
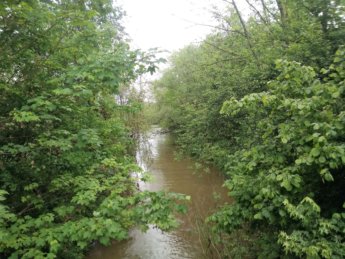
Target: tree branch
(264, 20)
(246, 33)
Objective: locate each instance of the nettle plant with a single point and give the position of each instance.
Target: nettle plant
(288, 182)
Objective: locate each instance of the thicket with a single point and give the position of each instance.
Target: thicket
(65, 138)
(263, 99)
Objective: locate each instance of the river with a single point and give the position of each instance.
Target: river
(205, 189)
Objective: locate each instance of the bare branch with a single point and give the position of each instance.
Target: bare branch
(268, 11)
(263, 19)
(228, 30)
(221, 49)
(246, 33)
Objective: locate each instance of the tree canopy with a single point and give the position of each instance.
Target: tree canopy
(66, 160)
(263, 99)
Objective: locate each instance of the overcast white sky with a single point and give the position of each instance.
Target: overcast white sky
(167, 24)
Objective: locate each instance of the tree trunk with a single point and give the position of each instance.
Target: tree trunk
(283, 11)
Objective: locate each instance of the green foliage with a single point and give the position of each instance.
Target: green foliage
(263, 99)
(292, 177)
(65, 160)
(228, 64)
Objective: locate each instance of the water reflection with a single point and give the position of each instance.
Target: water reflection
(157, 156)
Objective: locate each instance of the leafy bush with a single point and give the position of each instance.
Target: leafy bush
(289, 184)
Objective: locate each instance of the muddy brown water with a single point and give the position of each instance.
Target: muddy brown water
(205, 188)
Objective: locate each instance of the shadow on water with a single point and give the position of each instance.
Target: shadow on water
(156, 155)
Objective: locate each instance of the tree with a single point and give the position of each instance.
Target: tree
(265, 134)
(65, 170)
